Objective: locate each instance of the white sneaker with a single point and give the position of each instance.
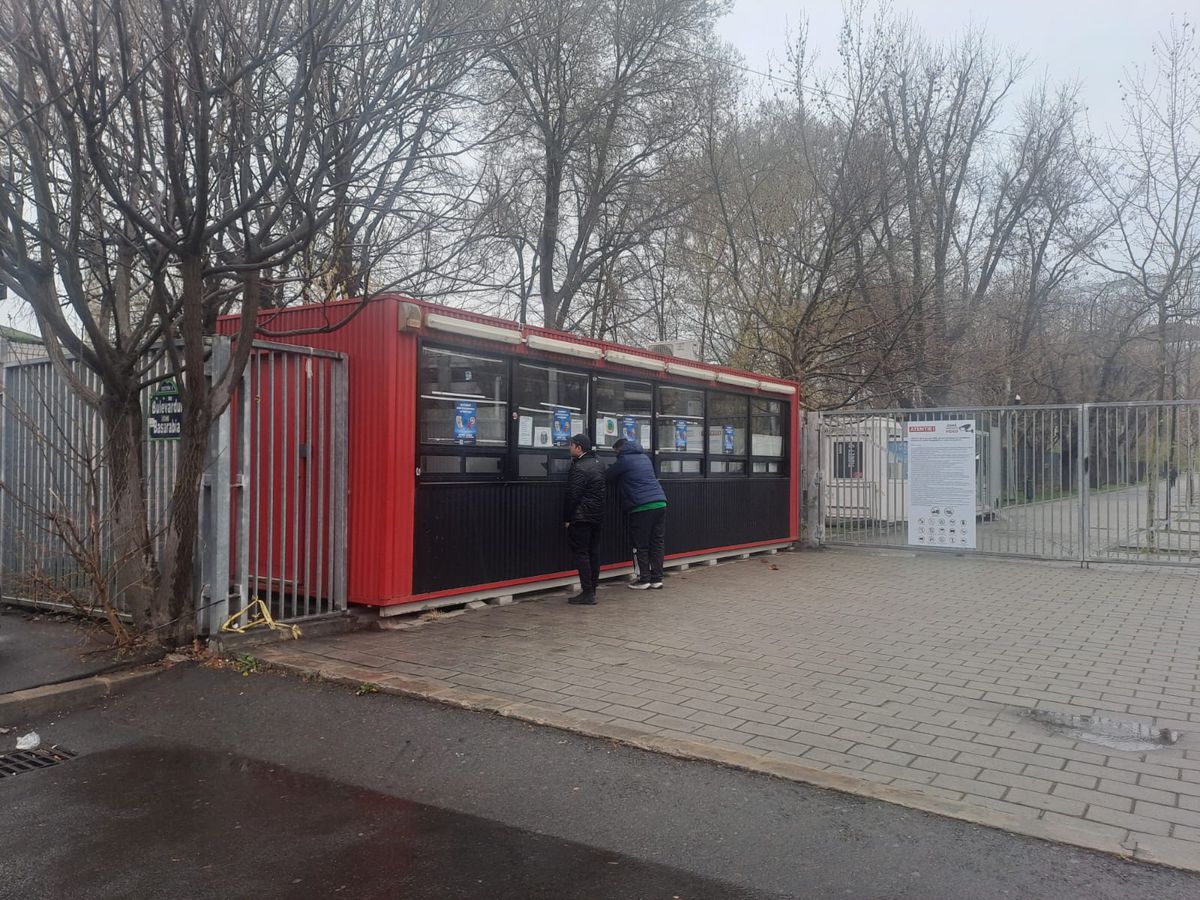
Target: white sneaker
(639, 585)
(656, 585)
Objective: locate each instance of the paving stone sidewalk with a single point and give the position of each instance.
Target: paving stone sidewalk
(920, 680)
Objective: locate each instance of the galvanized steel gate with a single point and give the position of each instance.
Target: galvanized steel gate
(273, 508)
(1105, 482)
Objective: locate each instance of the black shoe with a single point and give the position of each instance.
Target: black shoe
(585, 598)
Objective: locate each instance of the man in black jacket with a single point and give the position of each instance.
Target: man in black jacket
(583, 513)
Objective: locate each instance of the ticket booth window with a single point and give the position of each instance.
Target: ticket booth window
(680, 431)
(463, 413)
(768, 444)
(623, 410)
(551, 407)
(727, 422)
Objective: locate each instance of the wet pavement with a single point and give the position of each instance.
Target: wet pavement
(204, 783)
(207, 824)
(36, 649)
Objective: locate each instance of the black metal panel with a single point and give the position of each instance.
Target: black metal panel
(476, 533)
(718, 512)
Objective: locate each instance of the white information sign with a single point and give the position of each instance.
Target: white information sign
(941, 484)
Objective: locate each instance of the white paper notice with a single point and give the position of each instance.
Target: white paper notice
(525, 431)
(541, 437)
(941, 484)
(576, 427)
(645, 439)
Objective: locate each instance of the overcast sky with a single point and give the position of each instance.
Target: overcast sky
(1089, 40)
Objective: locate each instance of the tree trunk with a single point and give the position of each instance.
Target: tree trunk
(1156, 436)
(175, 606)
(553, 313)
(134, 569)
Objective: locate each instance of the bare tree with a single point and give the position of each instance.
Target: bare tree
(601, 95)
(167, 162)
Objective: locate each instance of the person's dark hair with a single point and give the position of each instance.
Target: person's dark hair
(619, 443)
(583, 442)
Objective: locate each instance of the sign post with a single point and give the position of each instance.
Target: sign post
(941, 484)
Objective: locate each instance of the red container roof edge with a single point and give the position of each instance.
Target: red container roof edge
(526, 330)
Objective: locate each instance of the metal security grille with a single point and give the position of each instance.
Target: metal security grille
(277, 487)
(1113, 482)
(274, 490)
(20, 761)
(1143, 488)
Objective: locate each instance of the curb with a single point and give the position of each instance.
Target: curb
(225, 643)
(37, 702)
(1061, 830)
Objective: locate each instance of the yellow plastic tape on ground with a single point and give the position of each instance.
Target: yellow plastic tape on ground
(263, 618)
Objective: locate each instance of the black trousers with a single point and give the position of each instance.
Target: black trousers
(649, 532)
(584, 538)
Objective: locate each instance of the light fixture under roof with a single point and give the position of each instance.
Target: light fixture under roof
(776, 388)
(689, 371)
(466, 327)
(635, 360)
(738, 380)
(567, 348)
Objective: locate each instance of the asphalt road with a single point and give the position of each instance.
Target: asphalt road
(204, 783)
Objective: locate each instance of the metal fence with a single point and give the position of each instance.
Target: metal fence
(1090, 482)
(273, 498)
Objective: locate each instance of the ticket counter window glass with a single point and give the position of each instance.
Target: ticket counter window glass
(623, 410)
(727, 421)
(463, 400)
(680, 431)
(552, 406)
(768, 425)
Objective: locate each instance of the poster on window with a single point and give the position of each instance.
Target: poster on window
(606, 429)
(847, 459)
(466, 422)
(629, 428)
(727, 445)
(681, 434)
(941, 484)
(561, 427)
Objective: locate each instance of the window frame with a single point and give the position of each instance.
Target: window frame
(734, 457)
(784, 459)
(833, 458)
(464, 451)
(670, 454)
(551, 453)
(607, 454)
(510, 455)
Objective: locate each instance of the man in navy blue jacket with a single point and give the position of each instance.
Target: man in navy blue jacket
(644, 500)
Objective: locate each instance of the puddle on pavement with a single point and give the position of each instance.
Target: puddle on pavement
(1116, 734)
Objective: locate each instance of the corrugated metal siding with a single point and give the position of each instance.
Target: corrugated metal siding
(474, 533)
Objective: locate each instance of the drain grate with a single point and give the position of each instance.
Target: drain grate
(27, 760)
